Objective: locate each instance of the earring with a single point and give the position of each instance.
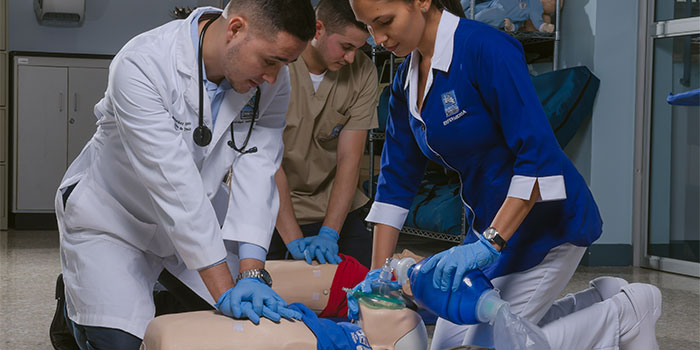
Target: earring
(423, 9)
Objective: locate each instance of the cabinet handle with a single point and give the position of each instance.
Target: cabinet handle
(60, 102)
(72, 120)
(75, 102)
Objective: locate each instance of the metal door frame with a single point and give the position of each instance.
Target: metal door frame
(649, 30)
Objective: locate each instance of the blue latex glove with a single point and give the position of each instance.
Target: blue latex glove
(366, 287)
(251, 298)
(452, 264)
(296, 248)
(323, 247)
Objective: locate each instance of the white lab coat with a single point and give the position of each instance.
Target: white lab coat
(143, 180)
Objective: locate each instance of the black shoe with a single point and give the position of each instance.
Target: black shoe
(59, 332)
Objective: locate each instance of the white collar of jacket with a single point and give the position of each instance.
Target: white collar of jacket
(444, 46)
(186, 63)
(185, 52)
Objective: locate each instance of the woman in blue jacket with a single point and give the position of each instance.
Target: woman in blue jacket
(463, 98)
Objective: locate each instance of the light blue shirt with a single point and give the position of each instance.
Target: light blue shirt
(216, 96)
(216, 92)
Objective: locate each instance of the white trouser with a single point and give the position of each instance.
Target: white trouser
(530, 294)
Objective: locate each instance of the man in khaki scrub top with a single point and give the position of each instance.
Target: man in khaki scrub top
(331, 107)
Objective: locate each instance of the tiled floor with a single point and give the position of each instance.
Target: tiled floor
(29, 264)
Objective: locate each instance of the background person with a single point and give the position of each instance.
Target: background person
(332, 105)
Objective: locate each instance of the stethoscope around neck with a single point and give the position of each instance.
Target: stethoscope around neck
(202, 133)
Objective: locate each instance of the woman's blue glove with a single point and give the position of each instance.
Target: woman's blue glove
(452, 264)
(296, 248)
(251, 298)
(366, 287)
(323, 247)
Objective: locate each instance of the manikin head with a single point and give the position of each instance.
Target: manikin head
(252, 39)
(393, 329)
(399, 25)
(338, 35)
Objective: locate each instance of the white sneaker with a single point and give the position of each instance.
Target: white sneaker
(640, 308)
(607, 286)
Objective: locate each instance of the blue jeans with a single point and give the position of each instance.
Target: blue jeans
(100, 338)
(355, 240)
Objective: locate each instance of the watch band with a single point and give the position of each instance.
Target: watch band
(495, 237)
(260, 274)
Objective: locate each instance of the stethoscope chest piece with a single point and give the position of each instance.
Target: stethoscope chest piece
(202, 135)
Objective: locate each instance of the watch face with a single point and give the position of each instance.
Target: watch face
(490, 233)
(266, 277)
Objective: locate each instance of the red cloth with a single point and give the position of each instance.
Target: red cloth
(349, 274)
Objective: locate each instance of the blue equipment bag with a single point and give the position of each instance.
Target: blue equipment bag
(567, 96)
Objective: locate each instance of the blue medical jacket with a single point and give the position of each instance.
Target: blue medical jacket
(482, 119)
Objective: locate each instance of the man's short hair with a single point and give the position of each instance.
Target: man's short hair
(336, 15)
(295, 17)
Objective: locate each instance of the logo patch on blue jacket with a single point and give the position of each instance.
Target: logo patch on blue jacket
(449, 101)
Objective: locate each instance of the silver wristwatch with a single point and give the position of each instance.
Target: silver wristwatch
(492, 235)
(260, 274)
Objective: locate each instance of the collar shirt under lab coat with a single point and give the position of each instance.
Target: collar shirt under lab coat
(481, 118)
(142, 177)
(345, 100)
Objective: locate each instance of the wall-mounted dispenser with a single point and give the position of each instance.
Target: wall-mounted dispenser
(68, 13)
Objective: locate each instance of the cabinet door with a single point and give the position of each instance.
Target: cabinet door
(3, 197)
(3, 136)
(3, 79)
(40, 136)
(86, 87)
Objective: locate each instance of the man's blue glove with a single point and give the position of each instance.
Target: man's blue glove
(296, 248)
(323, 247)
(251, 298)
(452, 264)
(366, 287)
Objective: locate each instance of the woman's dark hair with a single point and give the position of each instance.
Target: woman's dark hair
(452, 6)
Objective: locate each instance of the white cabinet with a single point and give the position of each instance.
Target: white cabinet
(86, 87)
(53, 120)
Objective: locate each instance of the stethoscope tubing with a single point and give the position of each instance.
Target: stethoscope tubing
(202, 134)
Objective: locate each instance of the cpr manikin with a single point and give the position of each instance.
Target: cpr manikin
(296, 282)
(393, 329)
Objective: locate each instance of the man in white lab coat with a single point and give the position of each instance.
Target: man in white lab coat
(140, 197)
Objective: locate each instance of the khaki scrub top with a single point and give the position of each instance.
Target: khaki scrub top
(345, 99)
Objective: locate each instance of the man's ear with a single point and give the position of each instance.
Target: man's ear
(236, 27)
(320, 29)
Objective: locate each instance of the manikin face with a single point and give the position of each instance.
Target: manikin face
(335, 50)
(253, 59)
(397, 25)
